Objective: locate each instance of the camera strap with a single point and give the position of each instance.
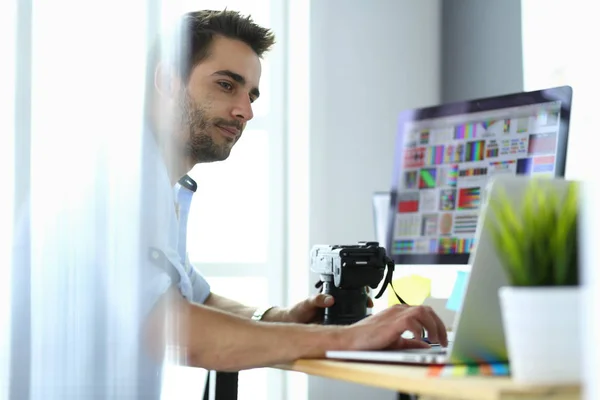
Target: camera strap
(388, 280)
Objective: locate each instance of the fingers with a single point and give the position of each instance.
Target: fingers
(323, 300)
(432, 323)
(414, 326)
(370, 303)
(411, 344)
(414, 344)
(399, 307)
(425, 318)
(442, 332)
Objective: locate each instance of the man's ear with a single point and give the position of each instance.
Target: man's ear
(166, 81)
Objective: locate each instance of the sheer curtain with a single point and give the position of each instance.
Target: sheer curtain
(87, 91)
(71, 105)
(8, 13)
(71, 111)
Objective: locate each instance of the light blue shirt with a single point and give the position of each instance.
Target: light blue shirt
(164, 243)
(199, 285)
(165, 232)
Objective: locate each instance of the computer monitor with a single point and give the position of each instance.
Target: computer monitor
(445, 156)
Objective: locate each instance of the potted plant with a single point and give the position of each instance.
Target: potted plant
(535, 235)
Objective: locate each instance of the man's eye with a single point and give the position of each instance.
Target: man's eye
(226, 85)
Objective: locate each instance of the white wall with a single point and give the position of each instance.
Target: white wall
(575, 67)
(368, 61)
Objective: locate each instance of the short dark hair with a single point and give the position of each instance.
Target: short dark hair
(190, 44)
(199, 28)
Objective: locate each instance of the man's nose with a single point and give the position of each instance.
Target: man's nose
(243, 109)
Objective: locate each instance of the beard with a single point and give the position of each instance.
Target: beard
(199, 145)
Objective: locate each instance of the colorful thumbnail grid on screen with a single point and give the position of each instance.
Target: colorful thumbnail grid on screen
(445, 170)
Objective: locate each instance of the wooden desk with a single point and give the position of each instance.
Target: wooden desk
(415, 380)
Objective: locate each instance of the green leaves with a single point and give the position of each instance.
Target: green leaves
(537, 240)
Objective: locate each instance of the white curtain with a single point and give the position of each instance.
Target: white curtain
(73, 85)
(7, 112)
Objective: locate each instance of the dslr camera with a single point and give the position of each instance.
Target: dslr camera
(345, 273)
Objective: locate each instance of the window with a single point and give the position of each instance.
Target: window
(229, 217)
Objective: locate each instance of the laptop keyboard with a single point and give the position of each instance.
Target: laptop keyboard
(434, 349)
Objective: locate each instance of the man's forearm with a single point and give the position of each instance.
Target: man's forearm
(275, 314)
(212, 339)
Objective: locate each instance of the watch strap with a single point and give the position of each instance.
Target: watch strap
(260, 312)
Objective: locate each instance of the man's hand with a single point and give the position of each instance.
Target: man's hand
(383, 330)
(307, 311)
(311, 310)
(212, 339)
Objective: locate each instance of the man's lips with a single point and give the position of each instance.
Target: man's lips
(229, 131)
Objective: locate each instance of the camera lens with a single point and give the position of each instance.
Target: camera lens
(350, 305)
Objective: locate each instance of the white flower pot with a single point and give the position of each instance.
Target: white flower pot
(543, 334)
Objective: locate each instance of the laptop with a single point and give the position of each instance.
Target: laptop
(478, 333)
(446, 158)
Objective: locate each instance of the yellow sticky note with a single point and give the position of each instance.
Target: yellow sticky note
(413, 289)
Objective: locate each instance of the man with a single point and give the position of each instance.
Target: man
(206, 93)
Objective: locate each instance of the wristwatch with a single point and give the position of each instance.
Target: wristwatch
(260, 312)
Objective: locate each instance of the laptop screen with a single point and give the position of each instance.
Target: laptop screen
(445, 157)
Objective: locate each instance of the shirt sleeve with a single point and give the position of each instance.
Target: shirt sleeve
(158, 268)
(161, 269)
(200, 286)
(162, 265)
(155, 281)
(164, 270)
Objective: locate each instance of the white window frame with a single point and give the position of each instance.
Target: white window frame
(297, 20)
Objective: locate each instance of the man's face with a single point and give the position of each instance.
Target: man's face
(216, 104)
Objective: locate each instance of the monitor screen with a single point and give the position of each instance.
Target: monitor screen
(445, 157)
